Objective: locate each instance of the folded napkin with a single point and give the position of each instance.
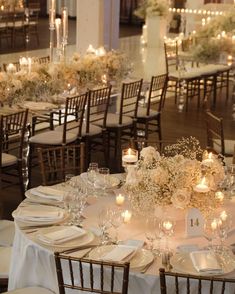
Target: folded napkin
(62, 235)
(205, 261)
(120, 253)
(38, 213)
(48, 192)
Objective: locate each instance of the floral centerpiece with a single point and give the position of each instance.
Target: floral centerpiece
(171, 180)
(152, 8)
(215, 37)
(44, 82)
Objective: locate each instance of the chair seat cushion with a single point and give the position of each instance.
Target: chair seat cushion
(73, 128)
(8, 159)
(229, 146)
(142, 113)
(52, 138)
(113, 120)
(30, 290)
(7, 232)
(5, 257)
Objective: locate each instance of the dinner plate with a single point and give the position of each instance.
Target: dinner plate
(38, 222)
(38, 199)
(182, 263)
(77, 242)
(139, 260)
(113, 181)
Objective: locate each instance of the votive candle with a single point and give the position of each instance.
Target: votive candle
(126, 216)
(120, 199)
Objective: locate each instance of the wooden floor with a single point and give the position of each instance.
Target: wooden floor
(174, 124)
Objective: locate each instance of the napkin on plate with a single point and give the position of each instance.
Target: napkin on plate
(120, 253)
(38, 213)
(62, 235)
(48, 192)
(205, 261)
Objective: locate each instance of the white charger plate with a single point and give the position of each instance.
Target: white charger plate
(182, 263)
(21, 221)
(113, 181)
(141, 259)
(77, 242)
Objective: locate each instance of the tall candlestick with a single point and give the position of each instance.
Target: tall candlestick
(65, 24)
(52, 13)
(58, 29)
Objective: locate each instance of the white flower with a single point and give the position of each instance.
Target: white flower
(181, 198)
(159, 176)
(149, 154)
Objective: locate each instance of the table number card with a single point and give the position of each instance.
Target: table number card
(194, 223)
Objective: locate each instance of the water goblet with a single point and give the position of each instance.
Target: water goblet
(104, 224)
(211, 230)
(103, 179)
(150, 231)
(67, 200)
(167, 227)
(116, 220)
(92, 172)
(224, 225)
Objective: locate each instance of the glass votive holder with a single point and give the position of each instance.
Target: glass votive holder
(129, 157)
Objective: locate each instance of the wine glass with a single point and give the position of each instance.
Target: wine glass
(151, 225)
(104, 224)
(224, 225)
(67, 200)
(210, 230)
(103, 179)
(116, 220)
(92, 172)
(167, 227)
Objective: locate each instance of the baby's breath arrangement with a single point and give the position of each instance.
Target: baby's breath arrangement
(170, 180)
(152, 8)
(45, 82)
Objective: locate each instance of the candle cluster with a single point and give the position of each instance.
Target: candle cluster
(60, 25)
(196, 11)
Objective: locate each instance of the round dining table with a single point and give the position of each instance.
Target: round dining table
(33, 262)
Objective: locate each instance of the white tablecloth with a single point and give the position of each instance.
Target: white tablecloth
(33, 264)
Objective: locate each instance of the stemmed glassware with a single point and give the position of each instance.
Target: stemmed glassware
(116, 219)
(103, 179)
(150, 231)
(92, 172)
(210, 230)
(224, 225)
(104, 224)
(167, 227)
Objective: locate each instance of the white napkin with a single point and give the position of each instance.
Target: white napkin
(205, 261)
(48, 192)
(62, 235)
(119, 253)
(38, 213)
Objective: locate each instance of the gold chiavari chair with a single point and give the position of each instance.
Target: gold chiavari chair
(88, 275)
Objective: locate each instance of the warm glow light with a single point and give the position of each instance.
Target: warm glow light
(219, 195)
(223, 216)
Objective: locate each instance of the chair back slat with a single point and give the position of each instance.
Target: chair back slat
(204, 284)
(97, 107)
(71, 272)
(94, 275)
(176, 285)
(56, 162)
(81, 274)
(130, 96)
